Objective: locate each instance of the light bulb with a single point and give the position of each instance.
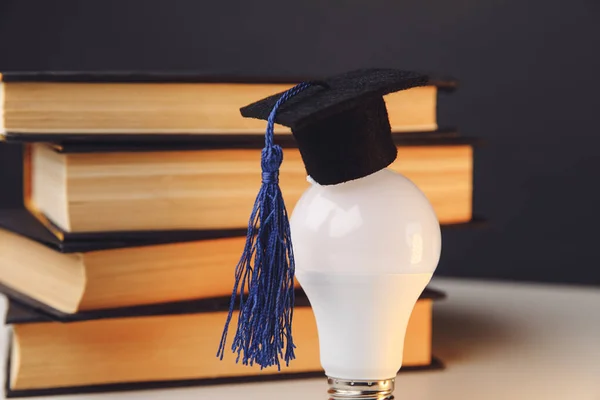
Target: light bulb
(364, 252)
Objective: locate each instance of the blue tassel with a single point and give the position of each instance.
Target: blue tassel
(266, 269)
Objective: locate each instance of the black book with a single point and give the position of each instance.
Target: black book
(115, 273)
(145, 106)
(162, 346)
(92, 189)
(17, 219)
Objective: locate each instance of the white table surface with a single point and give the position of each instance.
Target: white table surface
(500, 341)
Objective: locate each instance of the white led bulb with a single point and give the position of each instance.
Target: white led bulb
(364, 250)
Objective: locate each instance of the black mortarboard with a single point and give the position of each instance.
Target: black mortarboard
(341, 124)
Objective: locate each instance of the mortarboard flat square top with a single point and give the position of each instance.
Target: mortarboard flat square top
(341, 123)
(337, 94)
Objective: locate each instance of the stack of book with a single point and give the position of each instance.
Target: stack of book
(137, 191)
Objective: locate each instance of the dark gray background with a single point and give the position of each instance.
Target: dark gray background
(528, 72)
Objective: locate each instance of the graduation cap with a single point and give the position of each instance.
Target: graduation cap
(343, 133)
(341, 124)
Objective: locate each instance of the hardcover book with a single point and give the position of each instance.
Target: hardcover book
(44, 106)
(149, 347)
(74, 276)
(121, 188)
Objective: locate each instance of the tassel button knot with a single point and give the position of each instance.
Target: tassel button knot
(270, 177)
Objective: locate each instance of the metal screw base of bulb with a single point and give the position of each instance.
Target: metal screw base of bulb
(344, 389)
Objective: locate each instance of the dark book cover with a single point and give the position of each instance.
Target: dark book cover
(74, 143)
(22, 222)
(23, 309)
(442, 82)
(98, 142)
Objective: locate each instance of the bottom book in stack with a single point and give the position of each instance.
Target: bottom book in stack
(97, 316)
(162, 346)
